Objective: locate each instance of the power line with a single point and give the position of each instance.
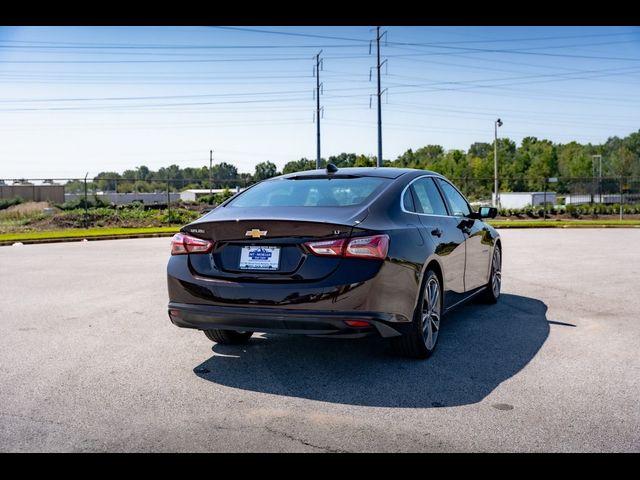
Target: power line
(158, 97)
(257, 59)
(521, 39)
(293, 34)
(515, 52)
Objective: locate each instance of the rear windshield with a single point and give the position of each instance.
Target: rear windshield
(312, 192)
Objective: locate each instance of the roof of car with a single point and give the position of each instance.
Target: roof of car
(386, 172)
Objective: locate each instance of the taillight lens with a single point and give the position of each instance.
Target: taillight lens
(181, 244)
(374, 247)
(368, 247)
(328, 248)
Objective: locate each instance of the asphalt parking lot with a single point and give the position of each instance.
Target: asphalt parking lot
(90, 362)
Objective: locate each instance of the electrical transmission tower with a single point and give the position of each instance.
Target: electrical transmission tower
(380, 92)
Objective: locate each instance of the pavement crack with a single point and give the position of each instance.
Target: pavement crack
(304, 442)
(37, 420)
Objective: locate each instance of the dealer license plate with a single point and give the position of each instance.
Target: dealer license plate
(260, 258)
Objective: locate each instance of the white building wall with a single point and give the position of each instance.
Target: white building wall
(524, 199)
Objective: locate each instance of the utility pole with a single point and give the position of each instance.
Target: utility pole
(380, 92)
(496, 198)
(317, 92)
(210, 173)
(168, 200)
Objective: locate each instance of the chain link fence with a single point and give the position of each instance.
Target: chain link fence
(595, 194)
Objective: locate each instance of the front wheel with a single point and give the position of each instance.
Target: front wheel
(422, 340)
(228, 337)
(491, 292)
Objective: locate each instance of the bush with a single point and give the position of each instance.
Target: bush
(217, 198)
(178, 216)
(10, 202)
(94, 202)
(572, 210)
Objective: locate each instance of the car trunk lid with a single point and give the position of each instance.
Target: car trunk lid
(259, 244)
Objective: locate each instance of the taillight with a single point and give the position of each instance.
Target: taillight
(374, 247)
(368, 247)
(328, 248)
(181, 244)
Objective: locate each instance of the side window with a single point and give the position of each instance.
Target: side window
(458, 204)
(407, 201)
(428, 198)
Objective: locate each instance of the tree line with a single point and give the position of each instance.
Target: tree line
(523, 167)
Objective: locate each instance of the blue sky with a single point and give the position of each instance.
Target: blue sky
(88, 99)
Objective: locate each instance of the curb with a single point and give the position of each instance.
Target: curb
(89, 238)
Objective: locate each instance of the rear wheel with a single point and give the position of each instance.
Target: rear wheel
(229, 337)
(492, 291)
(422, 340)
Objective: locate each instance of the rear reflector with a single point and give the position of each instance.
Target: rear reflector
(374, 247)
(357, 323)
(182, 244)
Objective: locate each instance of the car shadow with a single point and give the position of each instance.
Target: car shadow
(480, 347)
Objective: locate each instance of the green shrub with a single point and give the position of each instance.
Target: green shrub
(178, 216)
(10, 202)
(92, 202)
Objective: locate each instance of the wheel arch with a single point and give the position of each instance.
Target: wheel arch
(432, 263)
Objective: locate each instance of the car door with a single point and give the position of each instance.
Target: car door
(448, 240)
(478, 251)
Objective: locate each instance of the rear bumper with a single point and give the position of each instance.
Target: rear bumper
(278, 320)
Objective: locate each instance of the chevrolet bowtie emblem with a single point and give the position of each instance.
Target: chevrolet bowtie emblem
(255, 233)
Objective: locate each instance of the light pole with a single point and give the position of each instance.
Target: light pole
(496, 197)
(593, 168)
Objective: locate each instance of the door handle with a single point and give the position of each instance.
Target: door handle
(436, 232)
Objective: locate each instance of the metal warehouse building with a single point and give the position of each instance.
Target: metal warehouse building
(525, 199)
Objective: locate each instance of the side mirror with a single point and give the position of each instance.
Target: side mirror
(488, 212)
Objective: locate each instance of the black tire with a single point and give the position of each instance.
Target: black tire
(491, 293)
(423, 338)
(228, 337)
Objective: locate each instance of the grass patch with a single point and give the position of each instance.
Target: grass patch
(84, 233)
(563, 223)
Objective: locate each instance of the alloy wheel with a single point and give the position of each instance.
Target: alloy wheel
(431, 312)
(496, 274)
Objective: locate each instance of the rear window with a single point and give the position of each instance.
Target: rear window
(312, 192)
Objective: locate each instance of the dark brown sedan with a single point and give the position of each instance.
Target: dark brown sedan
(353, 252)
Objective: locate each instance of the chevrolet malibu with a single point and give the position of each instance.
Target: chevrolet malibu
(338, 252)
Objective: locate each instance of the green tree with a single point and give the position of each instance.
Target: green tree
(481, 150)
(624, 161)
(299, 165)
(574, 161)
(224, 174)
(428, 157)
(344, 160)
(364, 161)
(265, 170)
(106, 181)
(544, 162)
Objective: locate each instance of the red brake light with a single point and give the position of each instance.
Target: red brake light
(374, 247)
(368, 247)
(328, 248)
(181, 244)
